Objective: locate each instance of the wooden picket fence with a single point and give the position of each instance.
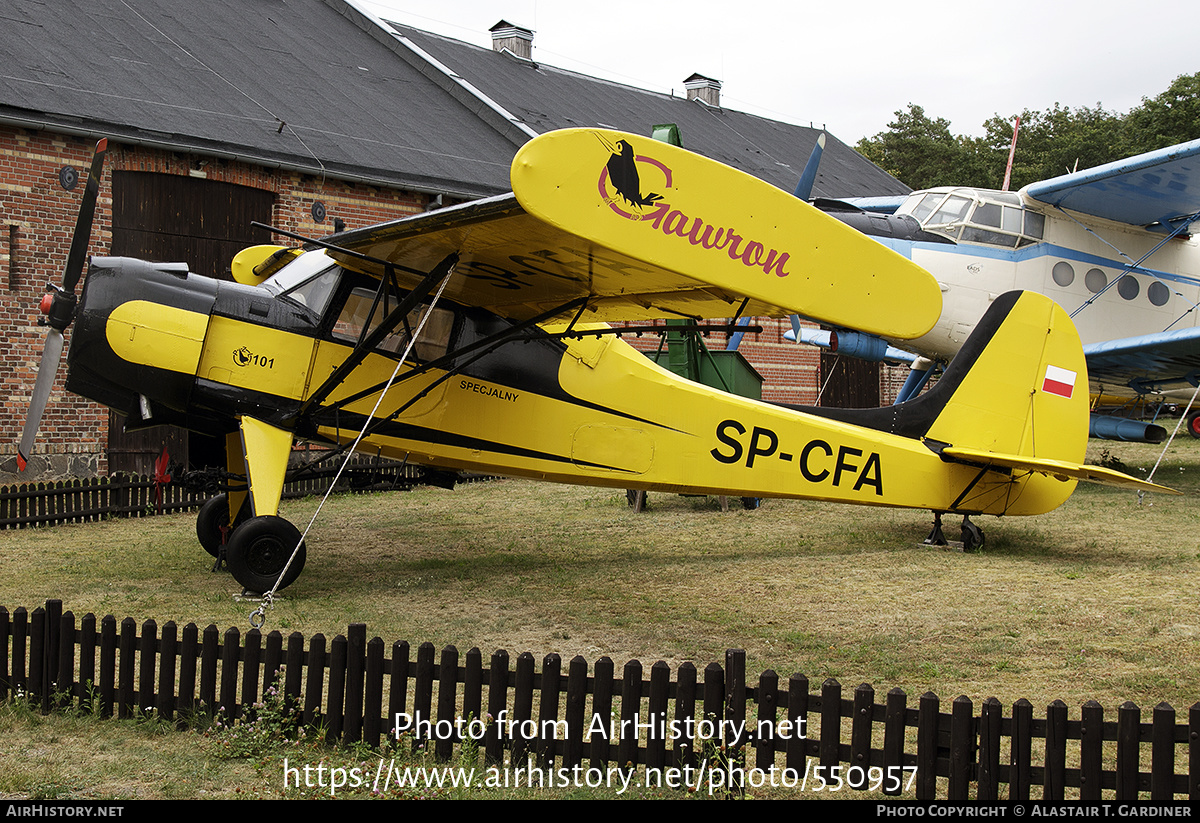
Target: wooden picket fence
(83, 500)
(355, 688)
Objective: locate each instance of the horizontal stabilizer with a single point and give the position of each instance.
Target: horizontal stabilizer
(1060, 469)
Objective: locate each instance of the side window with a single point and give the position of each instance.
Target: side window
(431, 344)
(434, 340)
(353, 316)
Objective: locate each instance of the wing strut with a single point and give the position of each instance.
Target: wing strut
(368, 343)
(258, 616)
(1133, 265)
(448, 361)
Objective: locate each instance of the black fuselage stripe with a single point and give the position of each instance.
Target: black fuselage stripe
(421, 434)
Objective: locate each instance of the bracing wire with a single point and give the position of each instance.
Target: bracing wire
(258, 616)
(1167, 445)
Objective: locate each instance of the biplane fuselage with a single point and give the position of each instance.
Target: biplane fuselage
(1081, 262)
(1115, 245)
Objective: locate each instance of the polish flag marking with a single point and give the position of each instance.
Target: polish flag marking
(1059, 381)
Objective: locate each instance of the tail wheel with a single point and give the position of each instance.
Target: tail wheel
(1193, 424)
(214, 516)
(259, 549)
(972, 536)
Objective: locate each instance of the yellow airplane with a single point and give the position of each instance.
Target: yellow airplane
(475, 338)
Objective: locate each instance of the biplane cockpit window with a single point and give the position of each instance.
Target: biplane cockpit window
(432, 342)
(994, 218)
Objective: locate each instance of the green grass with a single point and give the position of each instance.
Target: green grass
(1094, 601)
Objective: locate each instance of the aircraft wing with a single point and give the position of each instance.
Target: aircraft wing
(1165, 361)
(643, 229)
(1153, 188)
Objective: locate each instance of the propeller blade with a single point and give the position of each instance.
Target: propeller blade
(808, 177)
(59, 307)
(83, 225)
(47, 369)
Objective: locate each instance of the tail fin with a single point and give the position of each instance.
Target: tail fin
(1016, 399)
(1019, 386)
(992, 396)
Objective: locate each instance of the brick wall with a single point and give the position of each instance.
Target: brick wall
(37, 218)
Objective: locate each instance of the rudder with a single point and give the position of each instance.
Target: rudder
(1020, 386)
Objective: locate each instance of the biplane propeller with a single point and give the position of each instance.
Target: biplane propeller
(475, 338)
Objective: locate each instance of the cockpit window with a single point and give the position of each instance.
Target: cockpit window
(952, 211)
(309, 280)
(926, 205)
(977, 216)
(431, 344)
(314, 293)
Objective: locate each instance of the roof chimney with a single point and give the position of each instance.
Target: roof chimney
(514, 39)
(704, 89)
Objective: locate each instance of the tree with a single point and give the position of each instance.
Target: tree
(1171, 117)
(1056, 141)
(921, 151)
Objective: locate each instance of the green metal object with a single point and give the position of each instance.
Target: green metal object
(667, 133)
(687, 356)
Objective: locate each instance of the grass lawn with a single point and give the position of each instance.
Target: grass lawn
(1094, 601)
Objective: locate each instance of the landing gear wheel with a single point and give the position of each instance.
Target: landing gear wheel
(214, 515)
(751, 503)
(1193, 424)
(972, 536)
(258, 550)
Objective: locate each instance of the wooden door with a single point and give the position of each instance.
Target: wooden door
(169, 218)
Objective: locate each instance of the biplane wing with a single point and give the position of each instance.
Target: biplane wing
(1154, 190)
(643, 229)
(1148, 364)
(1160, 192)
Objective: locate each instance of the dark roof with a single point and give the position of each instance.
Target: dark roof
(225, 78)
(546, 98)
(314, 85)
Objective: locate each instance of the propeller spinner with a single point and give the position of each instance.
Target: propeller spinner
(58, 306)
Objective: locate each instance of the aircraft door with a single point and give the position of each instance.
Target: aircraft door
(357, 317)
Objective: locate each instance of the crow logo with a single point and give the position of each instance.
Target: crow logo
(622, 172)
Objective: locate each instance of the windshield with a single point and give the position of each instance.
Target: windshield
(309, 280)
(994, 218)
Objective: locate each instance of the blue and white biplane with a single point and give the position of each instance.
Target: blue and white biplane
(1111, 244)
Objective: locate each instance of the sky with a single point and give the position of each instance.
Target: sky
(848, 67)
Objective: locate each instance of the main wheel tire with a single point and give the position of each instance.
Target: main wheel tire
(1193, 424)
(258, 550)
(214, 515)
(751, 503)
